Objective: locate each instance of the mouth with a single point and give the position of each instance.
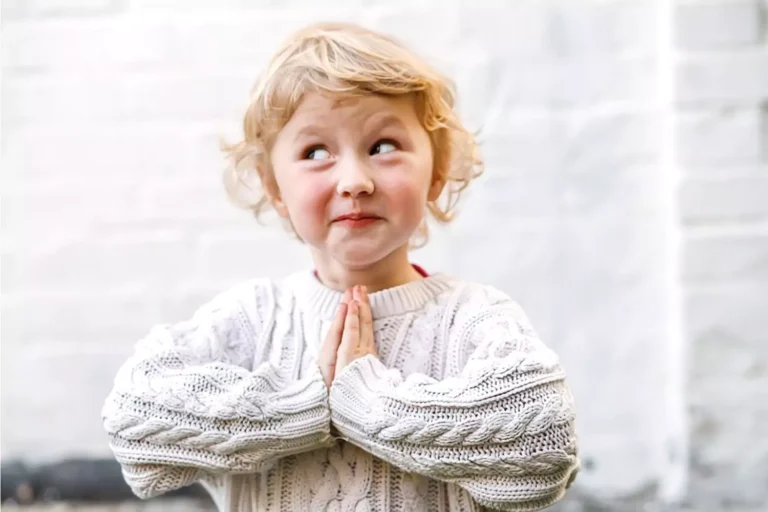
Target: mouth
(356, 220)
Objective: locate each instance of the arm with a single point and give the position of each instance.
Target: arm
(503, 428)
(186, 405)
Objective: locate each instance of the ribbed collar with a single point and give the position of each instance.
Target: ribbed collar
(316, 298)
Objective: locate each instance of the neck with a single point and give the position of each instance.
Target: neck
(393, 270)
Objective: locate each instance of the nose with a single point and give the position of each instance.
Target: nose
(354, 179)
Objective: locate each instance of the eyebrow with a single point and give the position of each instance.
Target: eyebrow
(382, 121)
(308, 132)
(388, 119)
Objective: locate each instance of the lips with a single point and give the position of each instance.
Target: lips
(356, 216)
(357, 220)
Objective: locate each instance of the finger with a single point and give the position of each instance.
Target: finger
(337, 328)
(351, 336)
(333, 338)
(366, 322)
(357, 293)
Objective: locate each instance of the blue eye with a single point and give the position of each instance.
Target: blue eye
(317, 153)
(383, 146)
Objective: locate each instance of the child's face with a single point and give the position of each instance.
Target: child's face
(354, 175)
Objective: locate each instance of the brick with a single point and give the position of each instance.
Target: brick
(258, 252)
(535, 87)
(517, 194)
(87, 318)
(520, 141)
(739, 77)
(724, 199)
(409, 25)
(56, 209)
(764, 131)
(160, 97)
(115, 152)
(88, 371)
(607, 163)
(120, 318)
(188, 201)
(40, 98)
(211, 37)
(721, 429)
(15, 9)
(131, 261)
(526, 246)
(86, 45)
(728, 375)
(516, 30)
(629, 250)
(240, 6)
(726, 257)
(576, 82)
(604, 80)
(717, 24)
(622, 27)
(77, 6)
(174, 6)
(718, 136)
(595, 139)
(596, 254)
(621, 191)
(728, 314)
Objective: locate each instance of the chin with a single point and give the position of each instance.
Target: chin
(360, 257)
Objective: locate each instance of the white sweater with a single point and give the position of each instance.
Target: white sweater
(464, 407)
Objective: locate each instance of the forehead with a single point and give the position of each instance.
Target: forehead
(321, 109)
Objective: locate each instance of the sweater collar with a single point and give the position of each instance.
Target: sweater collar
(313, 296)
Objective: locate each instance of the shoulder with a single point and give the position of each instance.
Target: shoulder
(249, 304)
(261, 298)
(474, 302)
(249, 293)
(488, 321)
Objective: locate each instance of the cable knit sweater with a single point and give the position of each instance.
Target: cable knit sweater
(465, 408)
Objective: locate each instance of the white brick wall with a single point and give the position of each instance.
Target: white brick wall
(113, 216)
(722, 131)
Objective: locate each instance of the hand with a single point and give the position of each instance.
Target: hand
(329, 349)
(357, 337)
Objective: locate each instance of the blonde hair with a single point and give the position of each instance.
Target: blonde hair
(349, 60)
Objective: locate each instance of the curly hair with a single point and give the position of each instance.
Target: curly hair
(349, 60)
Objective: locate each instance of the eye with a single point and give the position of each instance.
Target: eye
(317, 153)
(383, 146)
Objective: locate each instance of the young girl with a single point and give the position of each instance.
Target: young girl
(366, 383)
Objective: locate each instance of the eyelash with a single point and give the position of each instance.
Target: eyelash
(305, 154)
(385, 141)
(308, 151)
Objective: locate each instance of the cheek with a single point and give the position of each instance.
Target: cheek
(306, 198)
(407, 196)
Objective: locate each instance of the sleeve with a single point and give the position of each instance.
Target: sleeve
(502, 428)
(186, 404)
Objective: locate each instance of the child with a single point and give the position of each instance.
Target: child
(367, 383)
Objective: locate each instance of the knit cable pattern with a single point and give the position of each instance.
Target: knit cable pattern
(497, 428)
(507, 414)
(465, 407)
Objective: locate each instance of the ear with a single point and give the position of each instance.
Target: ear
(280, 208)
(436, 188)
(278, 204)
(273, 195)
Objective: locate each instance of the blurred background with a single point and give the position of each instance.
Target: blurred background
(625, 206)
